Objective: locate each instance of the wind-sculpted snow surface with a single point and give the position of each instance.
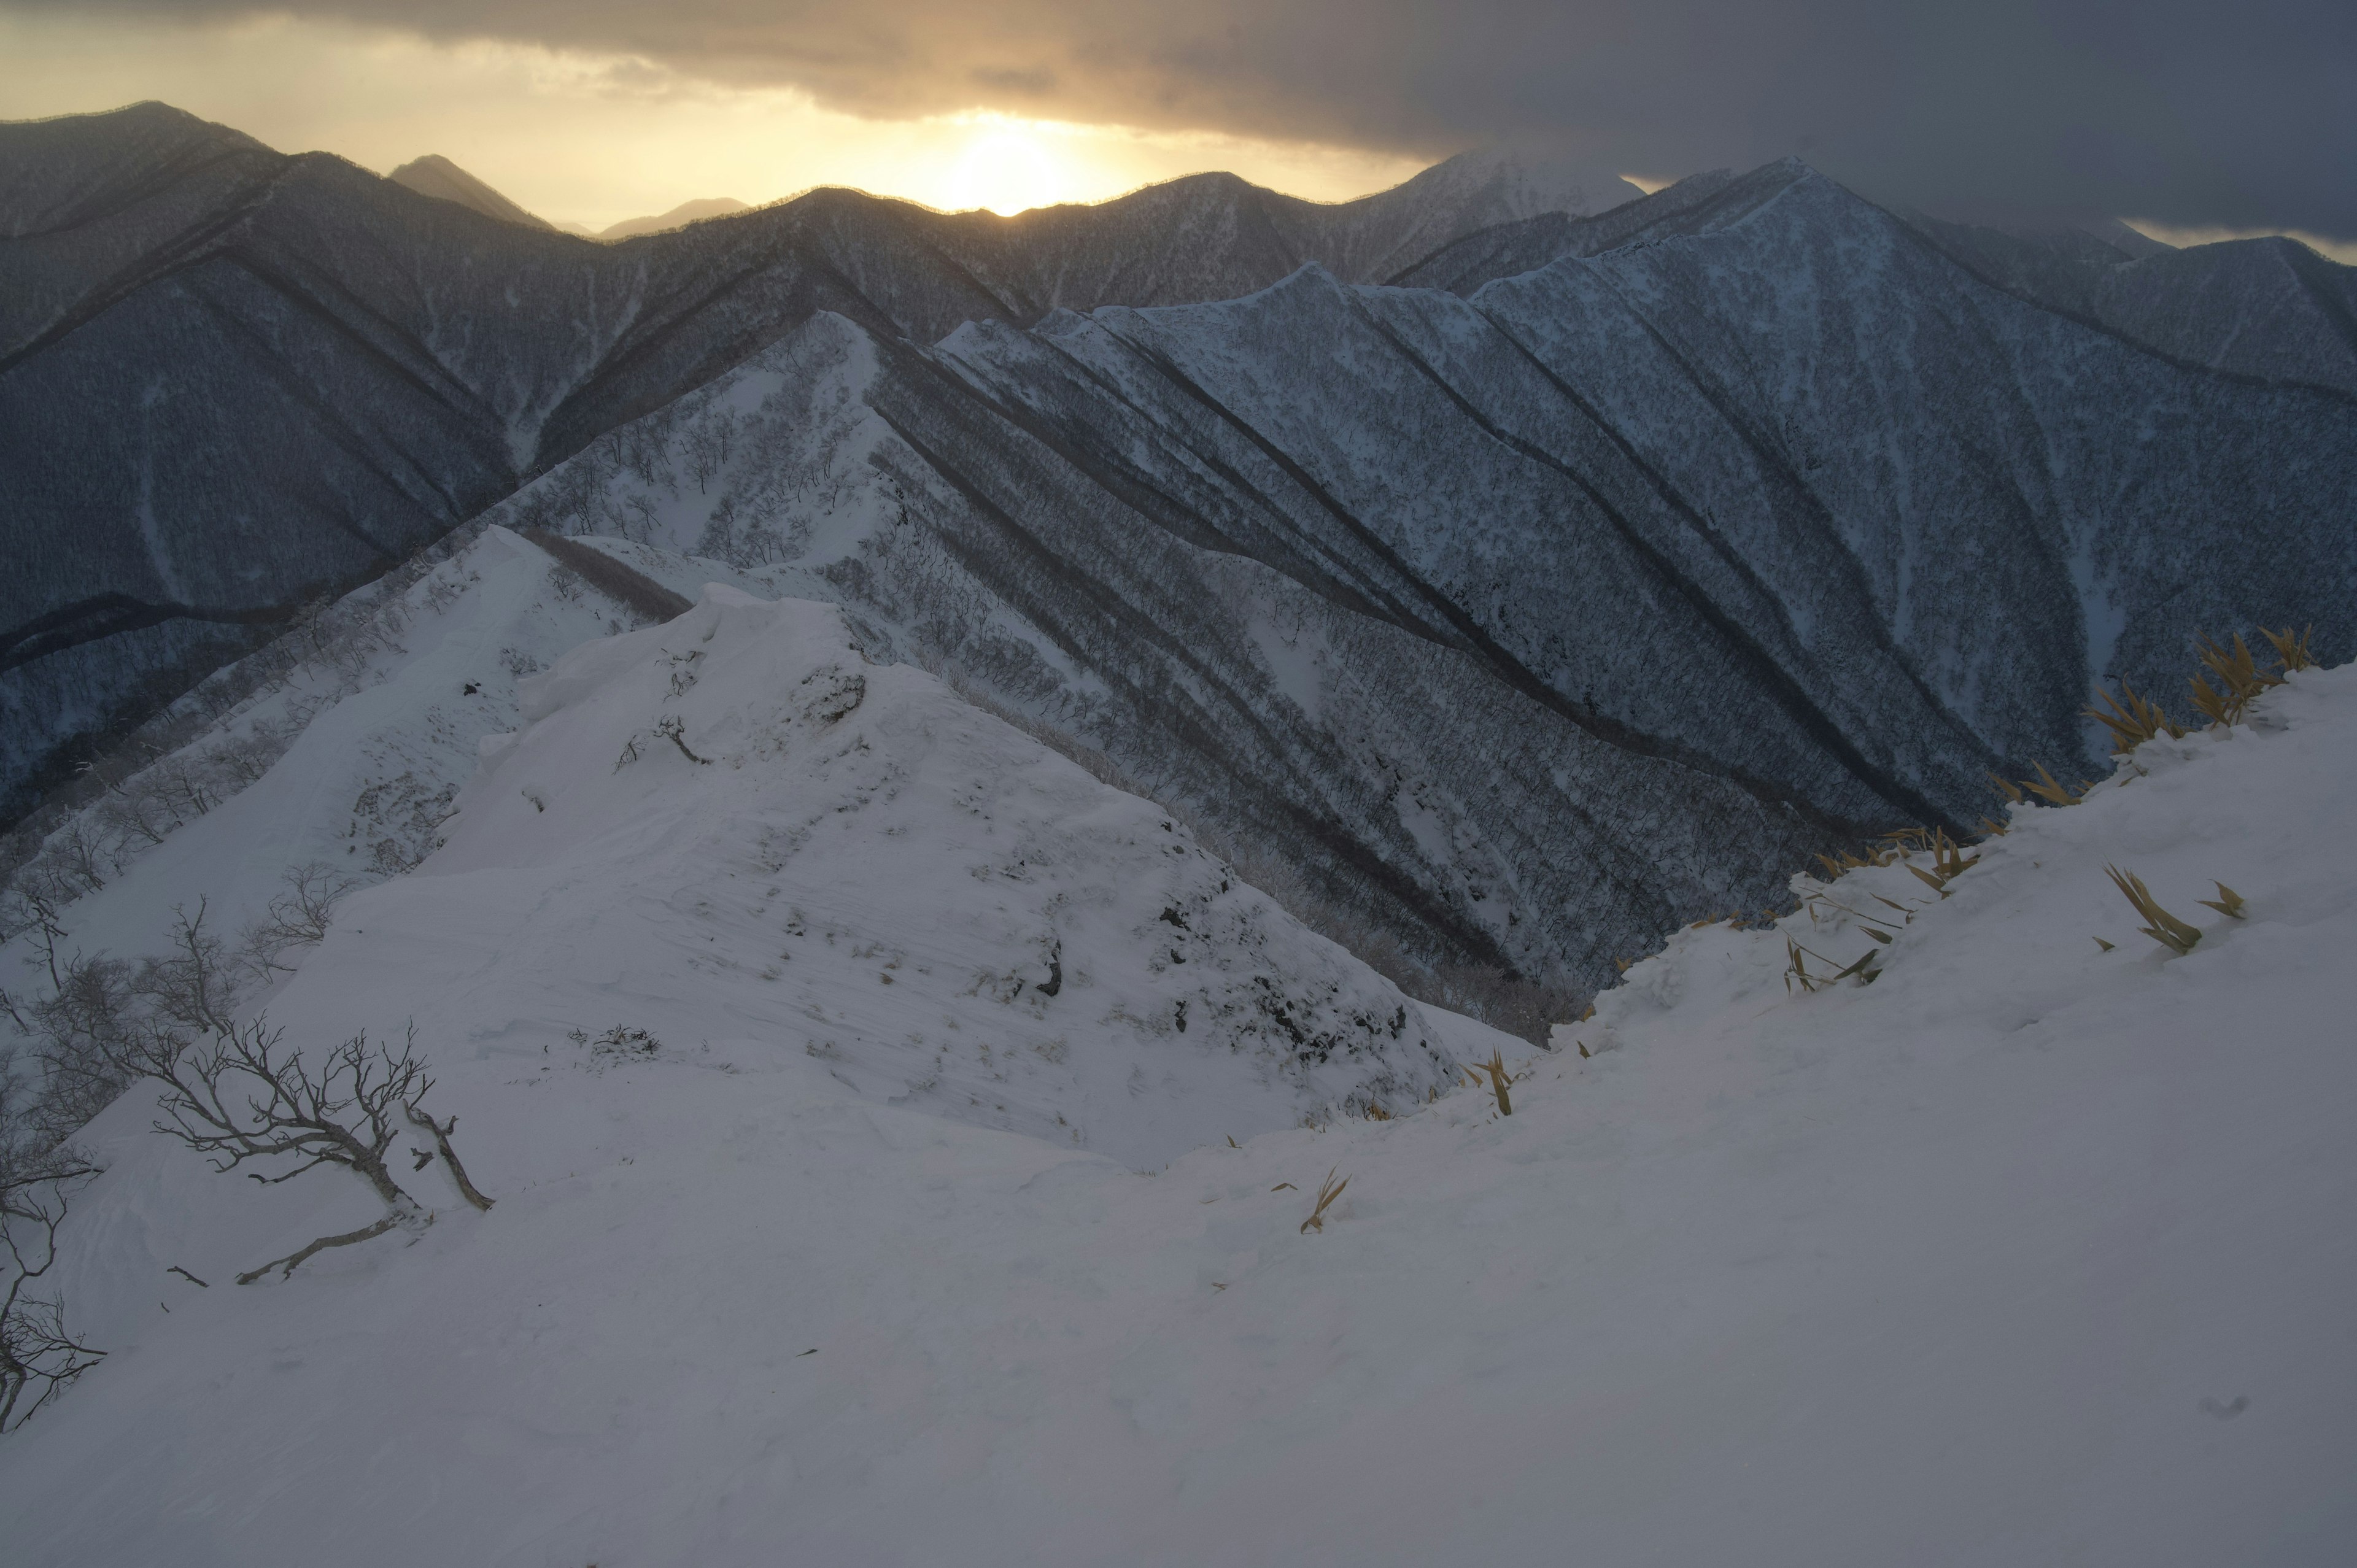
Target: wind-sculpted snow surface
(230, 379)
(1535, 622)
(2031, 1250)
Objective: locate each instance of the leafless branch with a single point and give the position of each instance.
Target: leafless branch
(39, 1353)
(449, 1155)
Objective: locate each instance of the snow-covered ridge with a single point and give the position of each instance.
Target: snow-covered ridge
(733, 827)
(2029, 1250)
(361, 736)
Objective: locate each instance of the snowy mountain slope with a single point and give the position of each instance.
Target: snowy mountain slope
(2027, 1251)
(2270, 309)
(949, 871)
(733, 824)
(366, 742)
(1535, 623)
(230, 379)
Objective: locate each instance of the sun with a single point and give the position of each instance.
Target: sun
(1008, 168)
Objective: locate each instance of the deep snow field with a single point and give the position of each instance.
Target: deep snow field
(919, 1238)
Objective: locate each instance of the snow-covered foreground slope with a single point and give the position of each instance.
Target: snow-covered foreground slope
(2029, 1251)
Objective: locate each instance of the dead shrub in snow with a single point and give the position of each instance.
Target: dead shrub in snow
(616, 1046)
(299, 914)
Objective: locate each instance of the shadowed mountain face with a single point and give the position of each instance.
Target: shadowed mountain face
(438, 177)
(2271, 309)
(1532, 622)
(230, 379)
(685, 213)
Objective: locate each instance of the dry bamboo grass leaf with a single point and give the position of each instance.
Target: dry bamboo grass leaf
(2291, 652)
(2228, 902)
(2164, 928)
(2012, 795)
(1376, 1112)
(1861, 969)
(2102, 944)
(2049, 789)
(2237, 671)
(1948, 856)
(1500, 1080)
(2133, 721)
(1936, 884)
(1328, 1191)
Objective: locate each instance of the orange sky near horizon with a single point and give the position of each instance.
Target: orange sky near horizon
(591, 140)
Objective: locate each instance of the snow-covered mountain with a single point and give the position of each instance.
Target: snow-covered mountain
(2033, 1249)
(1521, 617)
(1532, 622)
(2270, 309)
(231, 380)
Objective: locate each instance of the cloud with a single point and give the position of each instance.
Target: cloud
(2179, 112)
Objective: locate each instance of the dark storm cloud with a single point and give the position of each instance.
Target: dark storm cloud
(2185, 111)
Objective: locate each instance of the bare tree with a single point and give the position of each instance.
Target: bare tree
(238, 1095)
(39, 1353)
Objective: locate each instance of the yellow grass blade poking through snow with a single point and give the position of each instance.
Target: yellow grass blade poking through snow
(1328, 1191)
(2237, 673)
(2291, 652)
(2166, 929)
(2132, 721)
(2046, 788)
(1495, 1068)
(2228, 902)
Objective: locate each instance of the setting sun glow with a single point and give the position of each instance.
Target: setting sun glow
(1008, 168)
(592, 139)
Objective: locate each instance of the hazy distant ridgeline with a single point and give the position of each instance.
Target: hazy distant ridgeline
(230, 379)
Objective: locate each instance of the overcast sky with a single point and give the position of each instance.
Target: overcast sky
(2185, 113)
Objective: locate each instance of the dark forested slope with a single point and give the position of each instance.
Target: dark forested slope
(230, 379)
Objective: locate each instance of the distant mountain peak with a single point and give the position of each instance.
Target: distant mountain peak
(1532, 176)
(686, 212)
(437, 177)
